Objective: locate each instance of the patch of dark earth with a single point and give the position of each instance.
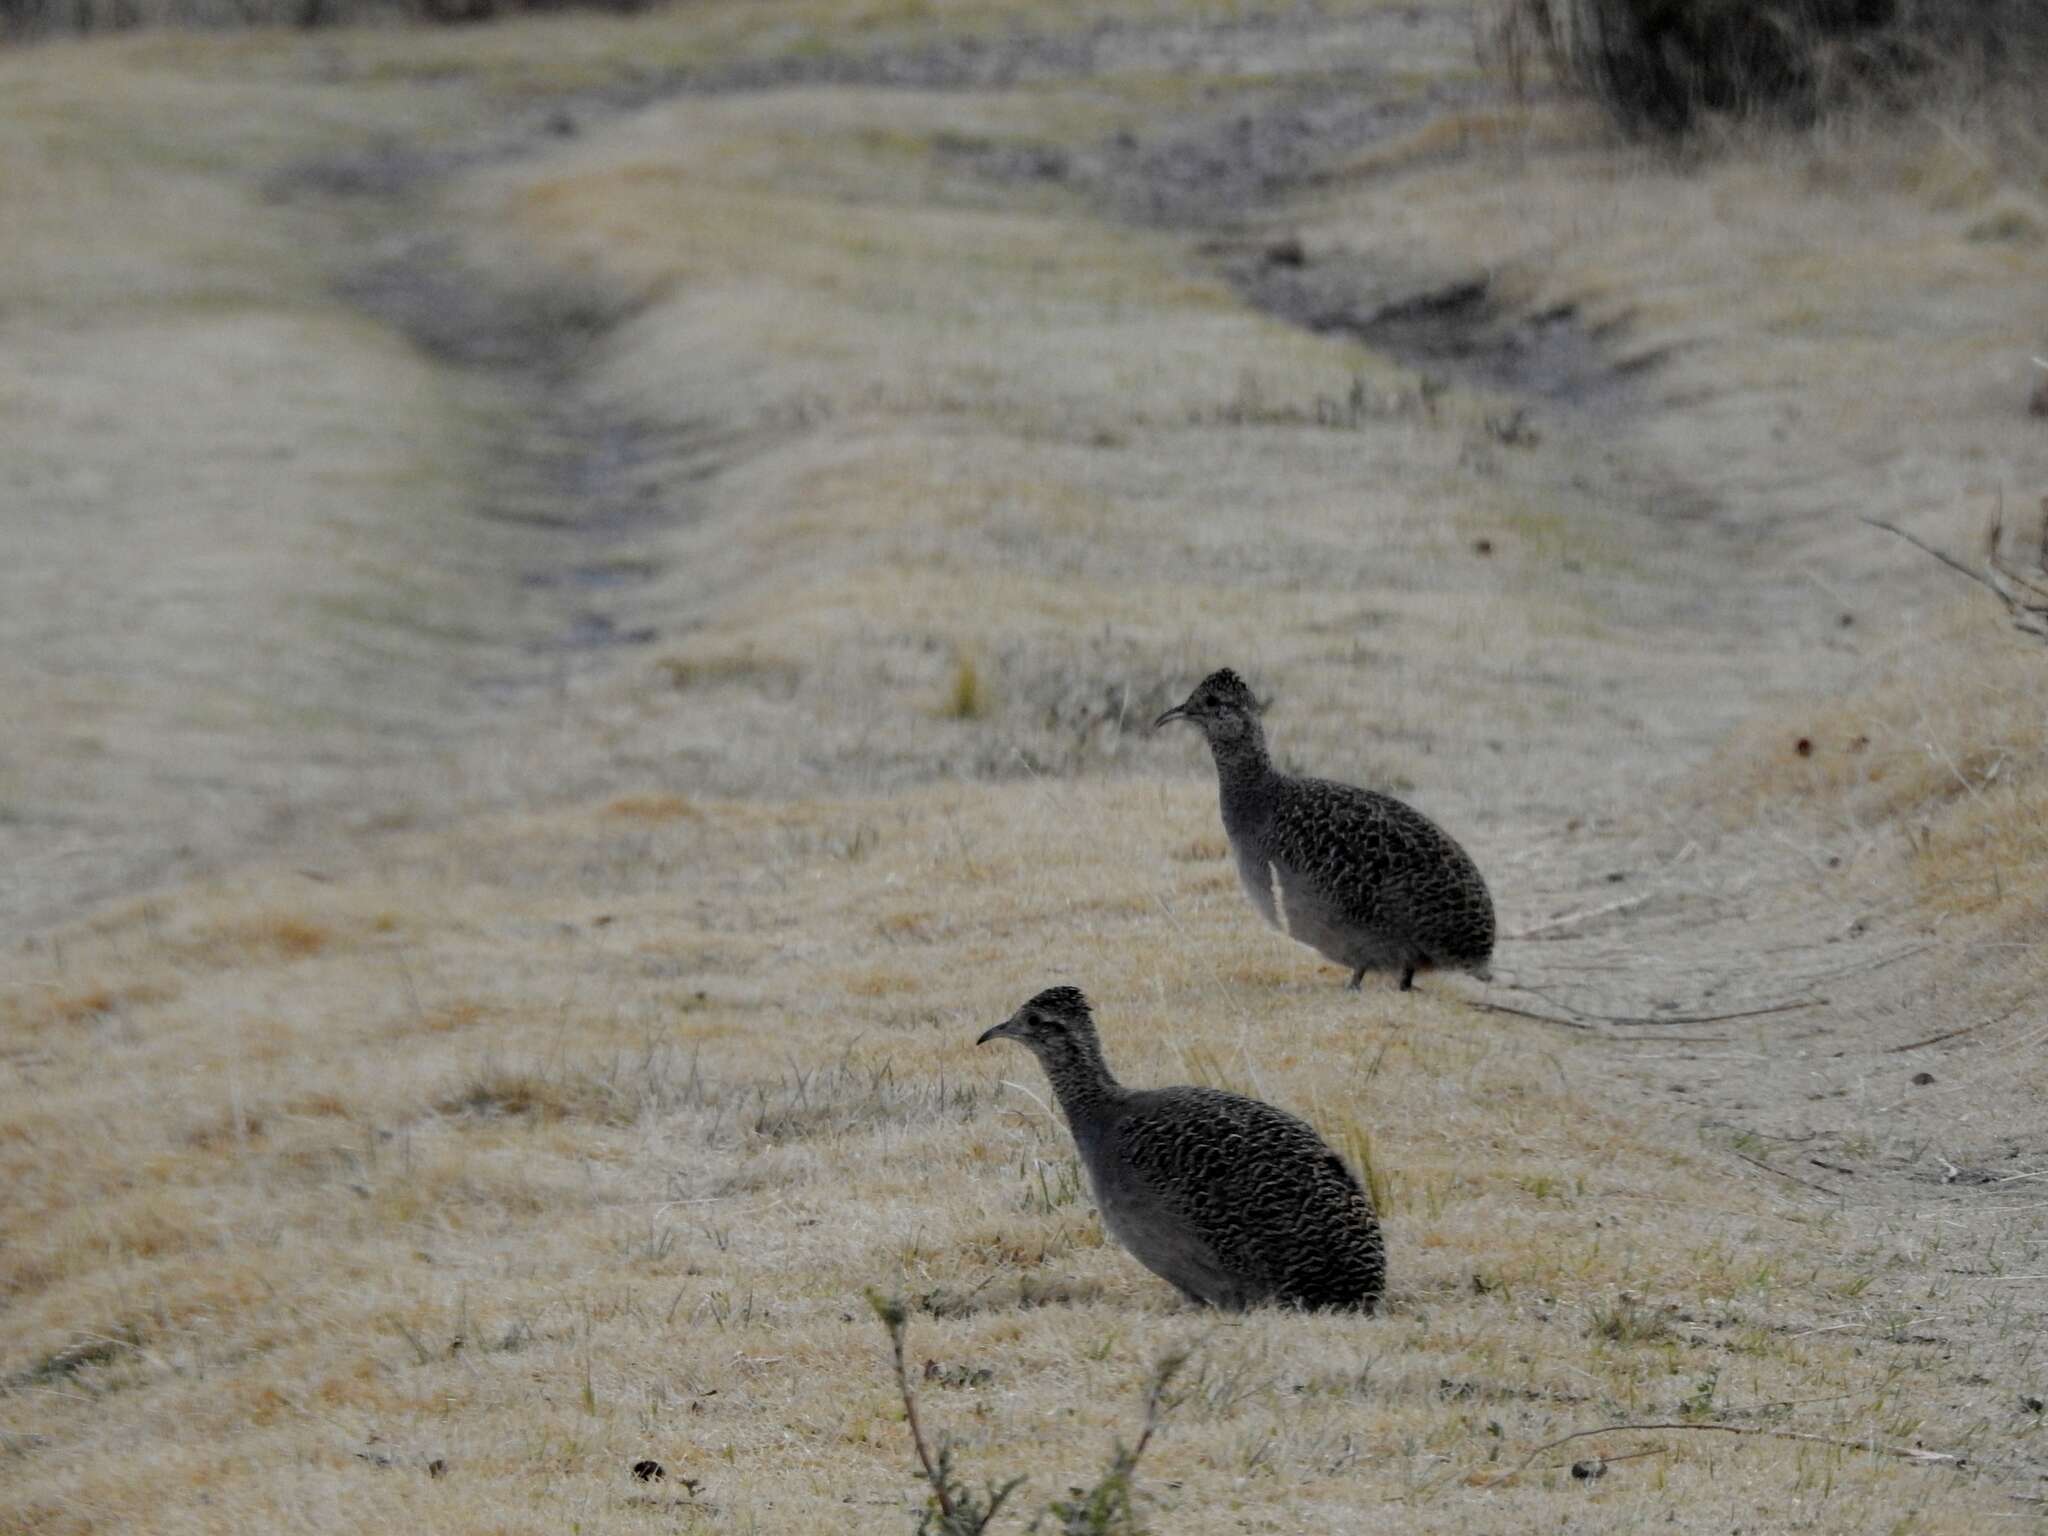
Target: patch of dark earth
(579, 478)
(1459, 329)
(1239, 170)
(1229, 174)
(1231, 168)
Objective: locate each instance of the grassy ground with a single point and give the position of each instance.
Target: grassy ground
(495, 979)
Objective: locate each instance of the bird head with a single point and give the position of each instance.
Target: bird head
(1221, 706)
(1051, 1021)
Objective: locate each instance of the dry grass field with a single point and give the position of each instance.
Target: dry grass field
(583, 598)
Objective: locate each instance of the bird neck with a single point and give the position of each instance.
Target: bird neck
(1242, 766)
(1080, 1077)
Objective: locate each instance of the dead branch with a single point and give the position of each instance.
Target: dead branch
(1657, 1020)
(1902, 1453)
(1954, 1034)
(1925, 548)
(1571, 1018)
(1527, 1013)
(893, 1318)
(1781, 1173)
(2024, 595)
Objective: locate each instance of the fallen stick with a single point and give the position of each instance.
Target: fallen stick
(1527, 1013)
(1781, 1173)
(2028, 610)
(1586, 914)
(1573, 1019)
(1902, 1453)
(1925, 548)
(1709, 1018)
(1953, 1034)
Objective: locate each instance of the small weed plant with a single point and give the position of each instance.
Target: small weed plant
(1108, 1508)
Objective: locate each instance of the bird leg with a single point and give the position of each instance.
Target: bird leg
(1408, 978)
(1356, 977)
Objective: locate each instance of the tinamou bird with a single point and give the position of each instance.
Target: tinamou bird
(1231, 1200)
(1371, 883)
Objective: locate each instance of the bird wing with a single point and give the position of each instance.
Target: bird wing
(1259, 1188)
(1345, 843)
(1371, 859)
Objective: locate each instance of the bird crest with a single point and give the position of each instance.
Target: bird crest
(1064, 1001)
(1224, 686)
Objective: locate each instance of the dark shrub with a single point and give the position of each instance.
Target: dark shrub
(1660, 65)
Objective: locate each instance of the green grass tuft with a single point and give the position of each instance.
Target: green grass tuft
(967, 696)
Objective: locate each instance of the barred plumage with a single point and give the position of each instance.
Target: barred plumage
(1231, 1200)
(1366, 880)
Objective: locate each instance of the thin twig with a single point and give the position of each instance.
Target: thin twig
(1903, 1453)
(1672, 1040)
(1584, 915)
(1948, 560)
(417, 1347)
(1168, 1367)
(1525, 1013)
(1579, 1020)
(1998, 578)
(1877, 963)
(1952, 1034)
(1781, 1173)
(892, 1316)
(1373, 1071)
(1655, 1450)
(1608, 1461)
(1710, 1018)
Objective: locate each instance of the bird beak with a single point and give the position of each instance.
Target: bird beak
(1178, 712)
(1004, 1031)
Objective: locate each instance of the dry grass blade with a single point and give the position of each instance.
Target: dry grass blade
(2026, 602)
(1902, 1453)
